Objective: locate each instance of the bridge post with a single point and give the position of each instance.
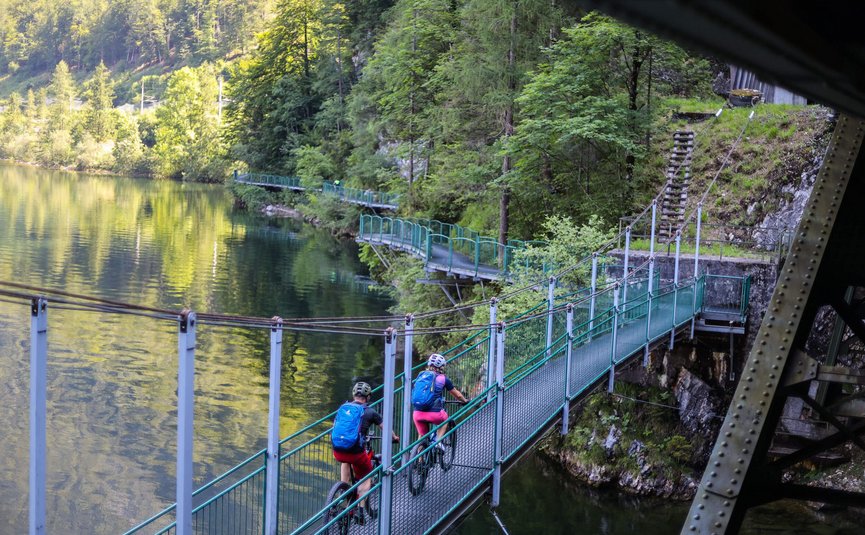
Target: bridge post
(569, 327)
(550, 304)
(500, 411)
(649, 309)
(626, 266)
(592, 297)
(696, 267)
(387, 430)
(272, 463)
(675, 288)
(405, 434)
(185, 399)
(615, 332)
(491, 357)
(38, 389)
(651, 279)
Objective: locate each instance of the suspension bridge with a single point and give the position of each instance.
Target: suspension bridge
(523, 376)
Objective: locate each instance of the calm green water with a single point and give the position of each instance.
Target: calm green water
(112, 379)
(538, 498)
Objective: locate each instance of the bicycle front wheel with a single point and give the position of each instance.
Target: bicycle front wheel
(446, 458)
(336, 504)
(417, 472)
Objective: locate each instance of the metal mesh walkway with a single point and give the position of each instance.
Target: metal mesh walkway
(521, 380)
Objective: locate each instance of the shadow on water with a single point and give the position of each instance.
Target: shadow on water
(538, 497)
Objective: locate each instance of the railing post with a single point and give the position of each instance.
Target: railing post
(550, 304)
(652, 232)
(592, 297)
(272, 464)
(185, 398)
(387, 430)
(626, 266)
(477, 254)
(491, 357)
(569, 327)
(615, 332)
(696, 268)
(500, 411)
(405, 435)
(675, 288)
(38, 389)
(649, 309)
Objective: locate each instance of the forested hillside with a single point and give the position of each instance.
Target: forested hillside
(477, 111)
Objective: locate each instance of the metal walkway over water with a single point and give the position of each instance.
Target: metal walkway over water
(449, 248)
(522, 376)
(541, 362)
(362, 197)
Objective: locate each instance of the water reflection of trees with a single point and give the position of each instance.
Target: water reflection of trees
(113, 378)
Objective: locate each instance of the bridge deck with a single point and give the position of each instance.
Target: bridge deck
(530, 403)
(443, 259)
(367, 198)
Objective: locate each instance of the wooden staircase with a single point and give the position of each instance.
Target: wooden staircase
(678, 177)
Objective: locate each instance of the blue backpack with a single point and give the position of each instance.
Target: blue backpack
(423, 395)
(346, 427)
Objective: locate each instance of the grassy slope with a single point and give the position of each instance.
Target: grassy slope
(781, 143)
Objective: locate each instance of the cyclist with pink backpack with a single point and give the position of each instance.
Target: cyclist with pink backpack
(427, 396)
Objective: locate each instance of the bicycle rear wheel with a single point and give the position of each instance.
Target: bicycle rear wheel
(446, 458)
(418, 471)
(337, 503)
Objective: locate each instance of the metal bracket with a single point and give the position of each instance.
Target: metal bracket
(801, 369)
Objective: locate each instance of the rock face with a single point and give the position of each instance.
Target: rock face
(645, 480)
(699, 408)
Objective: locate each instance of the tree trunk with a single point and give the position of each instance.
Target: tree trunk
(633, 92)
(508, 125)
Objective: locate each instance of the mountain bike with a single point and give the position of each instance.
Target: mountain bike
(444, 456)
(338, 501)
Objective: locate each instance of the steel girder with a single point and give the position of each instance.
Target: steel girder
(826, 258)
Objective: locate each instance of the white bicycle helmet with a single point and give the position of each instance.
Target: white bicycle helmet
(436, 361)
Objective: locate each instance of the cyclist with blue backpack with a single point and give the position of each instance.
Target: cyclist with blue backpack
(349, 435)
(427, 396)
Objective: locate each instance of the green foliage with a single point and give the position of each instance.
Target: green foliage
(331, 212)
(250, 197)
(100, 119)
(312, 166)
(679, 449)
(187, 138)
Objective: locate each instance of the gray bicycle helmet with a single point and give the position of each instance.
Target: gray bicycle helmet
(436, 361)
(361, 389)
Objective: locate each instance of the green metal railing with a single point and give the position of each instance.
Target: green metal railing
(234, 502)
(365, 197)
(261, 179)
(448, 247)
(729, 294)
